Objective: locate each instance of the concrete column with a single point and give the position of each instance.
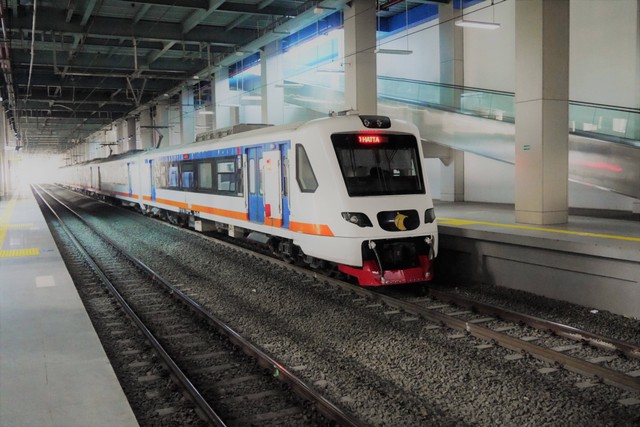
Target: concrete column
(163, 129)
(131, 133)
(187, 115)
(121, 138)
(451, 72)
(272, 89)
(452, 178)
(542, 111)
(3, 154)
(145, 130)
(451, 53)
(226, 111)
(361, 88)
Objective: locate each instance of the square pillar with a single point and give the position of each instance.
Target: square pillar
(542, 111)
(187, 116)
(360, 74)
(451, 72)
(272, 89)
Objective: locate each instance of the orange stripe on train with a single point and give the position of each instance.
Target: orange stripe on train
(300, 227)
(173, 203)
(221, 212)
(273, 222)
(317, 229)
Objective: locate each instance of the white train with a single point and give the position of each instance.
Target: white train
(345, 192)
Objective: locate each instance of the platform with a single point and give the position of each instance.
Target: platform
(593, 260)
(53, 369)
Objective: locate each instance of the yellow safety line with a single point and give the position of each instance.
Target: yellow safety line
(462, 222)
(8, 253)
(4, 226)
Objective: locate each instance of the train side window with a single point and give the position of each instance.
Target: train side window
(174, 175)
(205, 177)
(261, 172)
(187, 175)
(252, 180)
(304, 172)
(225, 170)
(238, 177)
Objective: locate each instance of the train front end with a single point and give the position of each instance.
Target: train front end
(389, 226)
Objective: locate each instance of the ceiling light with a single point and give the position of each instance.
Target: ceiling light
(394, 51)
(205, 112)
(291, 85)
(477, 24)
(320, 9)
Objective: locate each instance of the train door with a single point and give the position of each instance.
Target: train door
(276, 203)
(272, 188)
(129, 176)
(254, 178)
(95, 178)
(284, 160)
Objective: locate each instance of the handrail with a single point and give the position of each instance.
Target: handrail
(611, 123)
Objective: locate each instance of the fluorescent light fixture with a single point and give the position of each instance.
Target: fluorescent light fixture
(394, 51)
(329, 71)
(290, 85)
(477, 24)
(320, 9)
(206, 112)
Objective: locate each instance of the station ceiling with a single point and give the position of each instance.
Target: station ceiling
(71, 67)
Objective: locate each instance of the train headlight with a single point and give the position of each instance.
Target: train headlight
(357, 218)
(429, 216)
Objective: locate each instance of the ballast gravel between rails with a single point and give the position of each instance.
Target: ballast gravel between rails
(327, 408)
(207, 412)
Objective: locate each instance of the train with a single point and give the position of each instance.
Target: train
(347, 193)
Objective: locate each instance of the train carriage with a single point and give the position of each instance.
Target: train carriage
(346, 192)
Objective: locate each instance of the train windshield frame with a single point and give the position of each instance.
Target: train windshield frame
(379, 164)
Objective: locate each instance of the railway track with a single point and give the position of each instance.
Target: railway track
(228, 379)
(375, 360)
(599, 358)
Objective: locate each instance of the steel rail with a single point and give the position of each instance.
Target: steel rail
(628, 349)
(207, 412)
(609, 376)
(279, 371)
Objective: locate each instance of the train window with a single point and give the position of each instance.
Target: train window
(391, 167)
(226, 175)
(229, 175)
(261, 163)
(285, 176)
(174, 175)
(187, 175)
(252, 182)
(205, 177)
(304, 172)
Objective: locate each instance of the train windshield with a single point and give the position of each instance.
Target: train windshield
(379, 164)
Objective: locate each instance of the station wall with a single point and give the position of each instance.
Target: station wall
(604, 69)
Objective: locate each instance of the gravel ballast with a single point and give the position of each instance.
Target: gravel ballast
(384, 367)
